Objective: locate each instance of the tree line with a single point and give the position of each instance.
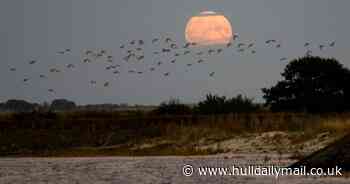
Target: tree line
(14, 105)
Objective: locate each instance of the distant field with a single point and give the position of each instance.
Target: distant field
(137, 133)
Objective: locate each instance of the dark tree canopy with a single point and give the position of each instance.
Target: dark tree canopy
(173, 107)
(311, 84)
(215, 104)
(62, 105)
(18, 106)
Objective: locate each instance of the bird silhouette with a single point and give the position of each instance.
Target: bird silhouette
(200, 61)
(168, 40)
(173, 46)
(54, 70)
(132, 42)
(332, 44)
(51, 90)
(253, 51)
(189, 64)
(141, 42)
(306, 44)
(68, 50)
(211, 51)
(278, 45)
(173, 61)
(176, 54)
(98, 55)
(13, 69)
(88, 52)
(212, 74)
(218, 51)
(250, 45)
(240, 45)
(127, 58)
(241, 50)
(186, 52)
(186, 45)
(159, 63)
(308, 53)
(106, 84)
(86, 60)
(42, 76)
(25, 79)
(32, 62)
(167, 74)
(70, 66)
(103, 52)
(155, 40)
(283, 59)
(321, 47)
(200, 53)
(270, 41)
(139, 58)
(122, 46)
(229, 44)
(166, 50)
(93, 82)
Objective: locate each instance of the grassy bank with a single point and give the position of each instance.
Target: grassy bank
(136, 133)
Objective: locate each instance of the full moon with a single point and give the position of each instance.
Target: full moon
(208, 28)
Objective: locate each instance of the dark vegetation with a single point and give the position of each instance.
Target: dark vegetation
(311, 84)
(121, 133)
(18, 106)
(332, 156)
(173, 107)
(62, 105)
(214, 104)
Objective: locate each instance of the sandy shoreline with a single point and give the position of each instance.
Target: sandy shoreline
(166, 169)
(169, 169)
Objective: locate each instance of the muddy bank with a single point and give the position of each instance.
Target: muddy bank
(335, 154)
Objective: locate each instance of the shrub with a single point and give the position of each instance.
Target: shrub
(173, 107)
(214, 104)
(62, 105)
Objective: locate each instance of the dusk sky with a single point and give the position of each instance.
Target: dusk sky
(38, 29)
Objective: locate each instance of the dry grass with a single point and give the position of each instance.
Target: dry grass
(336, 125)
(38, 133)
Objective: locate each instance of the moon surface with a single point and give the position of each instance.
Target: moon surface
(208, 28)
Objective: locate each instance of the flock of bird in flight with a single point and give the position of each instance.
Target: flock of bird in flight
(166, 47)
